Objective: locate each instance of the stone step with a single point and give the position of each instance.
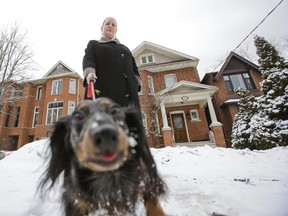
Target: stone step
(196, 144)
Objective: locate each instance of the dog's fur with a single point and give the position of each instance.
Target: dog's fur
(106, 161)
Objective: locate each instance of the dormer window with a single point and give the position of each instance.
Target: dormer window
(241, 80)
(146, 59)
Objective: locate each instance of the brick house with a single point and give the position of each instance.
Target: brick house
(235, 72)
(176, 107)
(173, 101)
(42, 102)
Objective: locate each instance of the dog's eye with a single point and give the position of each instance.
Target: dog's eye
(115, 110)
(77, 116)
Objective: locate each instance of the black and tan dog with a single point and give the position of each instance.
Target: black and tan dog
(107, 163)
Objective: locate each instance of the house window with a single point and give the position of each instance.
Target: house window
(234, 81)
(144, 120)
(150, 85)
(12, 92)
(54, 112)
(36, 116)
(17, 116)
(170, 80)
(20, 91)
(194, 114)
(2, 90)
(8, 115)
(141, 91)
(146, 59)
(71, 107)
(72, 86)
(56, 87)
(39, 93)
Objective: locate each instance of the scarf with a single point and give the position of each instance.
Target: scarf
(106, 40)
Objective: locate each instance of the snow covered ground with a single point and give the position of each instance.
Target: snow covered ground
(201, 181)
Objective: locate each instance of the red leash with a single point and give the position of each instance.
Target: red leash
(91, 91)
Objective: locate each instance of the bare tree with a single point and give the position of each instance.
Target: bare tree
(15, 63)
(153, 113)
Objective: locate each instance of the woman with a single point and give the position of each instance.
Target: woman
(112, 67)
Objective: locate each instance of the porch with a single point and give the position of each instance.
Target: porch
(196, 144)
(184, 114)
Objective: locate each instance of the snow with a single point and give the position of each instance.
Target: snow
(201, 181)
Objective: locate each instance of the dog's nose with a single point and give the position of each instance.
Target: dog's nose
(105, 137)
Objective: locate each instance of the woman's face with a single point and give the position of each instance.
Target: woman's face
(109, 27)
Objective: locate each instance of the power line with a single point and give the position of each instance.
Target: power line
(251, 32)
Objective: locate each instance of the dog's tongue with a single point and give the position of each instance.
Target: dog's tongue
(108, 156)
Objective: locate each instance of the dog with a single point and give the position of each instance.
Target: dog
(107, 164)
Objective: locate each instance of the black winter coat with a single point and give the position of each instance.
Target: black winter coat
(116, 72)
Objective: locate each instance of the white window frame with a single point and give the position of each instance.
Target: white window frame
(147, 59)
(144, 120)
(71, 107)
(57, 110)
(17, 116)
(12, 92)
(195, 111)
(39, 93)
(36, 113)
(151, 85)
(142, 89)
(168, 82)
(72, 86)
(57, 87)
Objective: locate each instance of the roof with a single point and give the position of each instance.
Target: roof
(60, 69)
(190, 93)
(188, 85)
(50, 72)
(161, 49)
(228, 59)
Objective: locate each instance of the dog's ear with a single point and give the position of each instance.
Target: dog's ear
(156, 185)
(60, 150)
(135, 125)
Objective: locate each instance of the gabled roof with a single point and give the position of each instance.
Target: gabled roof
(60, 69)
(190, 93)
(188, 86)
(228, 59)
(64, 69)
(160, 49)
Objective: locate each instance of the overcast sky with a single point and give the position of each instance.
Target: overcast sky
(205, 29)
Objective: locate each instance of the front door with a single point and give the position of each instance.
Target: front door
(180, 134)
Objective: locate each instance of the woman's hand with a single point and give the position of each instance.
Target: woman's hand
(91, 77)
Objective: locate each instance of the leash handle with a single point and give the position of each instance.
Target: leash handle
(91, 90)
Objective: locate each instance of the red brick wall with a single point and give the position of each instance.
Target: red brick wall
(188, 74)
(198, 130)
(24, 131)
(226, 113)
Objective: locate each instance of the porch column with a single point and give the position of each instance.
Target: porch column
(212, 113)
(166, 130)
(216, 126)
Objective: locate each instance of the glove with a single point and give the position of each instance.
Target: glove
(91, 77)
